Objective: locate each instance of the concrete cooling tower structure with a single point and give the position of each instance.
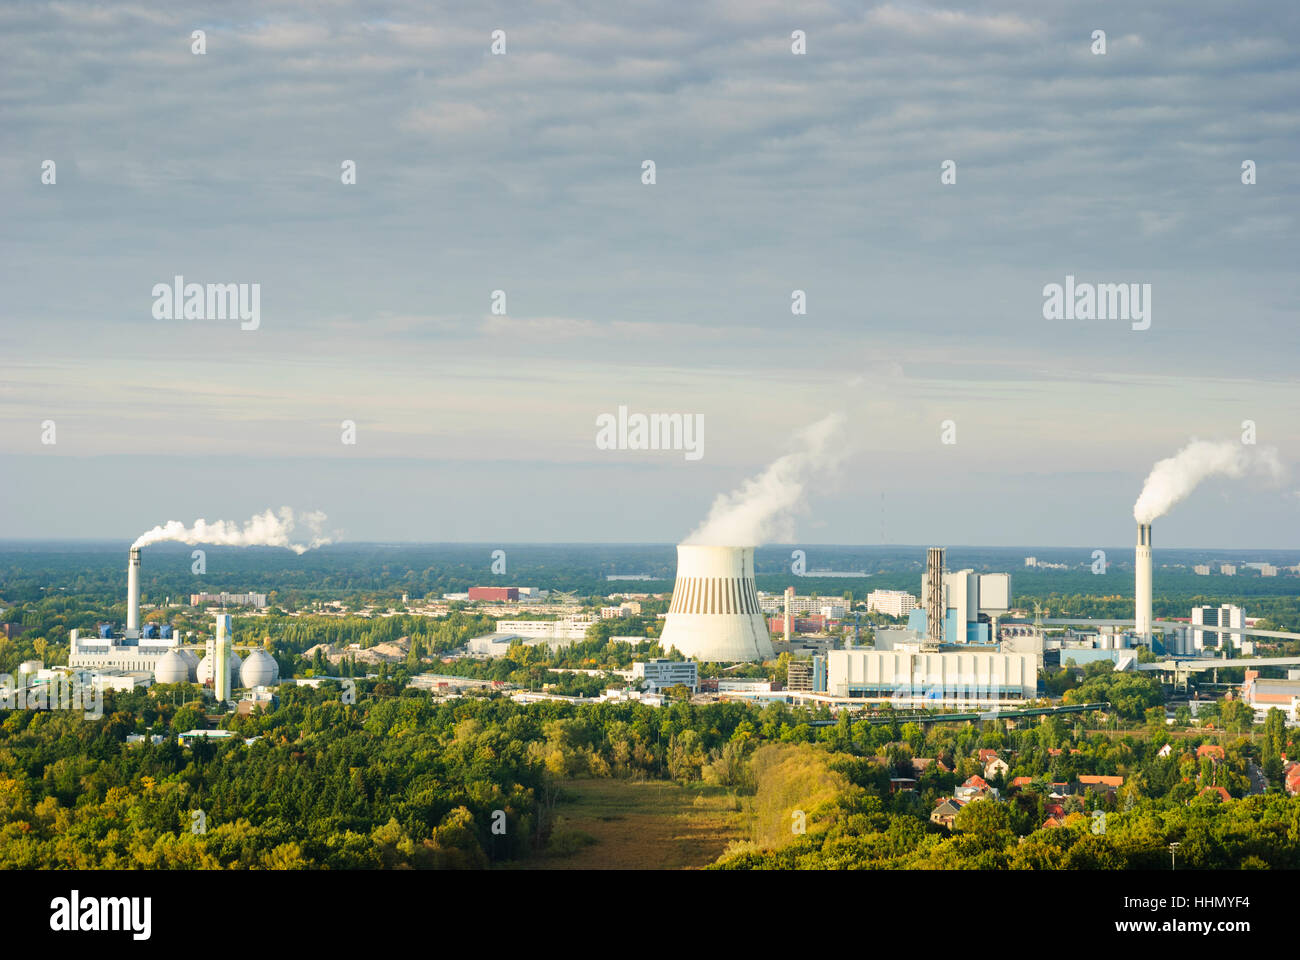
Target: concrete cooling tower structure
(714, 615)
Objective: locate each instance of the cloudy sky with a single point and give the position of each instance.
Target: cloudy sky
(522, 172)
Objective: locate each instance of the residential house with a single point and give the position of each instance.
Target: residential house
(1291, 778)
(976, 788)
(996, 767)
(1100, 784)
(921, 764)
(946, 812)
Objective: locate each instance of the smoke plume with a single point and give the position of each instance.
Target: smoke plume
(269, 529)
(1174, 478)
(762, 508)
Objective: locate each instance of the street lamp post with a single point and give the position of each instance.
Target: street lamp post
(1173, 850)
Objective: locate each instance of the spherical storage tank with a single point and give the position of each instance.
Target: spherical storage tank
(171, 668)
(204, 671)
(259, 670)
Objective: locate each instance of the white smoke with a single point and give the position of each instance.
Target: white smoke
(1174, 478)
(269, 529)
(762, 508)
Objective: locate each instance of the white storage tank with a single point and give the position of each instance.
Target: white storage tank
(259, 670)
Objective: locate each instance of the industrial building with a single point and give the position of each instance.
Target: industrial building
(1263, 694)
(807, 676)
(132, 649)
(892, 603)
(255, 600)
(915, 677)
(556, 633)
(715, 614)
(660, 674)
(959, 606)
(1224, 615)
(499, 594)
(778, 603)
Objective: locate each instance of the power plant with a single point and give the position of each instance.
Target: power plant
(715, 614)
(154, 648)
(1142, 585)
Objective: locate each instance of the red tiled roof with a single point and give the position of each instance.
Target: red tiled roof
(1222, 793)
(1022, 781)
(1210, 750)
(1101, 781)
(1050, 822)
(978, 782)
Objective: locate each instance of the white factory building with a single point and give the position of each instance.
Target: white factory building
(799, 606)
(556, 633)
(660, 674)
(1225, 615)
(908, 676)
(893, 603)
(255, 600)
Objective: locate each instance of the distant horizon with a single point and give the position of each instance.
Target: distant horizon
(803, 545)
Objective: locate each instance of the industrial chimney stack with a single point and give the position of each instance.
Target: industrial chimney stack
(1142, 584)
(133, 593)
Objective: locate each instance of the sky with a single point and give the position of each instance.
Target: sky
(523, 172)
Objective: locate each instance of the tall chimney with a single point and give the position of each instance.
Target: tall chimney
(133, 591)
(1142, 584)
(221, 659)
(789, 595)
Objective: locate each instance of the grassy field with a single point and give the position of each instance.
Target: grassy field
(625, 825)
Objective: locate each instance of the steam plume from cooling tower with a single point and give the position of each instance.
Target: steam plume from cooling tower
(269, 529)
(1175, 477)
(762, 508)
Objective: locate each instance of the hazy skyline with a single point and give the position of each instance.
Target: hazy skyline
(522, 173)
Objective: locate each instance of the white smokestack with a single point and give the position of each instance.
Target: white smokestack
(1142, 583)
(133, 590)
(263, 530)
(1174, 478)
(789, 595)
(760, 510)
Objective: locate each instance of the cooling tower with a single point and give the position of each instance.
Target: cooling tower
(1142, 585)
(133, 591)
(714, 615)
